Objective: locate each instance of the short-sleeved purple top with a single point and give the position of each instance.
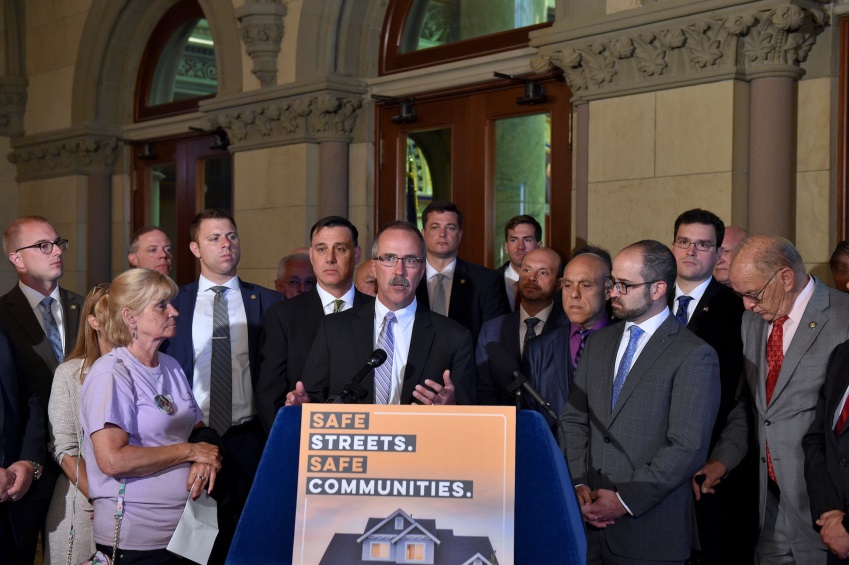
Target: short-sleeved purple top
(120, 390)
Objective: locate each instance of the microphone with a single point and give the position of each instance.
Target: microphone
(521, 382)
(501, 364)
(353, 390)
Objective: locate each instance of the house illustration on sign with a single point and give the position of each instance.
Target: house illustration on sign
(399, 538)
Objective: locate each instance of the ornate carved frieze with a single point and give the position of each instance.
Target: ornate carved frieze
(299, 119)
(83, 154)
(770, 41)
(13, 101)
(262, 31)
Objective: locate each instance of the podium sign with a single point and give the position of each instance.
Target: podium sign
(411, 484)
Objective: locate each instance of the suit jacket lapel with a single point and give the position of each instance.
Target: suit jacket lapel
(362, 330)
(755, 333)
(653, 349)
(186, 308)
(460, 290)
(71, 312)
(563, 361)
(20, 310)
(253, 314)
(702, 307)
(420, 344)
(609, 349)
(810, 326)
(509, 334)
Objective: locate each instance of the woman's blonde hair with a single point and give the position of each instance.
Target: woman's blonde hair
(87, 347)
(133, 289)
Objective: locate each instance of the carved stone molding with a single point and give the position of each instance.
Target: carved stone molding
(766, 42)
(71, 155)
(300, 118)
(13, 101)
(262, 31)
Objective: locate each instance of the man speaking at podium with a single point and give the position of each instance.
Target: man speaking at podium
(429, 357)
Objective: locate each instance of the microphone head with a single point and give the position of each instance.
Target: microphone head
(378, 356)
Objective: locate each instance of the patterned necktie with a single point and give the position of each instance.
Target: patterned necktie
(530, 333)
(439, 302)
(337, 305)
(221, 366)
(625, 364)
(583, 334)
(774, 359)
(51, 328)
(683, 304)
(383, 373)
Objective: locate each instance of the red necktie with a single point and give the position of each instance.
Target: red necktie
(841, 421)
(774, 358)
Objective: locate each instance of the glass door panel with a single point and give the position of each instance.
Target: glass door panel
(522, 181)
(428, 161)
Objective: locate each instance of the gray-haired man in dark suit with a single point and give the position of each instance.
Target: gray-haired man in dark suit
(639, 418)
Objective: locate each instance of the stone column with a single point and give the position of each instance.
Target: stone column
(333, 179)
(772, 156)
(99, 228)
(581, 153)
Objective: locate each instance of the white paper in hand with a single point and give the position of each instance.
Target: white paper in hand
(197, 529)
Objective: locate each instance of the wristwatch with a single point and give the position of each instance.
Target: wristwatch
(37, 470)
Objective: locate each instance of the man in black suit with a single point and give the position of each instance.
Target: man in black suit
(826, 448)
(728, 525)
(522, 234)
(290, 327)
(220, 306)
(537, 315)
(41, 320)
(429, 357)
(467, 293)
(23, 440)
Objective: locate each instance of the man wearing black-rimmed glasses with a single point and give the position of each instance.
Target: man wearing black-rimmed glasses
(41, 320)
(793, 323)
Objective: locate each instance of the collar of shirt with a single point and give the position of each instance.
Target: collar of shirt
(448, 271)
(205, 284)
(34, 297)
(510, 273)
(794, 318)
(404, 317)
(649, 327)
(327, 299)
(696, 294)
(542, 315)
(603, 323)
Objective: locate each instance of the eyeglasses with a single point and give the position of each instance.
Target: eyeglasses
(684, 243)
(756, 297)
(391, 260)
(622, 287)
(46, 247)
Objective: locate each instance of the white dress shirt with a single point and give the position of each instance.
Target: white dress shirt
(34, 298)
(511, 284)
(430, 275)
(542, 316)
(649, 327)
(696, 295)
(243, 396)
(402, 333)
(327, 299)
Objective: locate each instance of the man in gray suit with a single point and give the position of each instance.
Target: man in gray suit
(639, 418)
(792, 325)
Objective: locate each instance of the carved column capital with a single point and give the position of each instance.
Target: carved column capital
(13, 101)
(691, 50)
(71, 155)
(262, 31)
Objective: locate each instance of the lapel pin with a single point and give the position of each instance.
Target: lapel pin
(462, 281)
(812, 325)
(705, 309)
(253, 296)
(73, 306)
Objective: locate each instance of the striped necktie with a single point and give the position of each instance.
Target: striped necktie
(383, 373)
(221, 366)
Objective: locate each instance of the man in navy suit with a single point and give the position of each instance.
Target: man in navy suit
(511, 333)
(522, 234)
(41, 319)
(550, 362)
(215, 242)
(290, 326)
(465, 292)
(22, 440)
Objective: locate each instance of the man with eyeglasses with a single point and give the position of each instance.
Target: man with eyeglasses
(512, 334)
(792, 324)
(465, 292)
(639, 417)
(290, 327)
(42, 320)
(150, 248)
(727, 522)
(294, 275)
(429, 357)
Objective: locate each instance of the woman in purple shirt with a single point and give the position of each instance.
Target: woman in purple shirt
(137, 412)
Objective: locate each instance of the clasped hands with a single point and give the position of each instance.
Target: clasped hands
(15, 480)
(600, 507)
(430, 393)
(833, 534)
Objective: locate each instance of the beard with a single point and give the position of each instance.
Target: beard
(634, 312)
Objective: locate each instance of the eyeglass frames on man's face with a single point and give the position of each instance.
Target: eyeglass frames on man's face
(622, 287)
(756, 297)
(409, 261)
(46, 247)
(684, 243)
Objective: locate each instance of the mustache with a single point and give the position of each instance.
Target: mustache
(399, 281)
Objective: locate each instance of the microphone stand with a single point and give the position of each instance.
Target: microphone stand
(353, 392)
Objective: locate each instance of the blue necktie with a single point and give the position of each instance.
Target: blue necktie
(625, 364)
(51, 328)
(383, 373)
(683, 304)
